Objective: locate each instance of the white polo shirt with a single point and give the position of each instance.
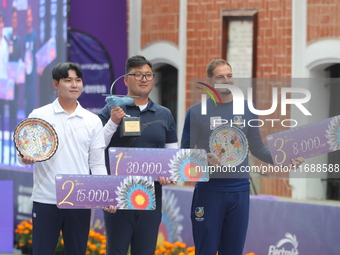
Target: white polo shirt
(79, 134)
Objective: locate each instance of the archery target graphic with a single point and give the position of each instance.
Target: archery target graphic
(187, 165)
(136, 193)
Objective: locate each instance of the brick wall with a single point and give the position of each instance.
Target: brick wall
(273, 52)
(323, 19)
(160, 21)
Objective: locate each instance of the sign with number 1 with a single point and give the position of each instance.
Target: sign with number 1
(175, 164)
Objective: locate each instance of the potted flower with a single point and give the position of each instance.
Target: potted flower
(23, 238)
(176, 248)
(96, 244)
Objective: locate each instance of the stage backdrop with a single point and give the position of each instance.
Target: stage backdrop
(102, 21)
(96, 65)
(106, 21)
(35, 35)
(35, 40)
(276, 226)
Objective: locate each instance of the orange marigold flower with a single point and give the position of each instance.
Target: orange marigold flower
(93, 247)
(20, 227)
(182, 245)
(166, 244)
(190, 249)
(92, 233)
(162, 249)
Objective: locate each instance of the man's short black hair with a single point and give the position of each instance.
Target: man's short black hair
(60, 71)
(136, 61)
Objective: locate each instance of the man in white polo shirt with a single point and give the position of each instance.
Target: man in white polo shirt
(80, 151)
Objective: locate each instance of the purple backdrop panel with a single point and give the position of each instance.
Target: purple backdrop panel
(176, 164)
(99, 191)
(95, 63)
(6, 216)
(306, 141)
(286, 227)
(176, 224)
(275, 226)
(109, 28)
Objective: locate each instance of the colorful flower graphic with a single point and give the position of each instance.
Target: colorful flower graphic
(230, 144)
(187, 165)
(170, 228)
(333, 133)
(136, 192)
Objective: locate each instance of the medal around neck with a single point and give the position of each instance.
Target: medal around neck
(230, 144)
(36, 138)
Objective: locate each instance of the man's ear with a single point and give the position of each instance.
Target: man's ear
(55, 84)
(126, 80)
(209, 81)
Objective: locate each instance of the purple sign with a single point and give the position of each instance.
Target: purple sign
(306, 141)
(176, 164)
(100, 191)
(7, 216)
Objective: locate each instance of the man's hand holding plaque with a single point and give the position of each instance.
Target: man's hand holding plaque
(130, 126)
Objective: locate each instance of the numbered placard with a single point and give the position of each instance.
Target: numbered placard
(305, 141)
(176, 164)
(100, 191)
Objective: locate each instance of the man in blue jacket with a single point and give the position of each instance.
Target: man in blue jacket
(220, 207)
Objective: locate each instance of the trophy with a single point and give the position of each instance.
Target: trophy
(130, 126)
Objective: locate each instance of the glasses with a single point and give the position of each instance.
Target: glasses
(140, 76)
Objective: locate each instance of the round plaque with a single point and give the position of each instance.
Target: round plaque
(36, 138)
(230, 144)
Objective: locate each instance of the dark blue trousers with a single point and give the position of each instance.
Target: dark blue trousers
(219, 221)
(136, 227)
(48, 220)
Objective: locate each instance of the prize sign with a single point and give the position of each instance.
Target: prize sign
(176, 164)
(306, 141)
(100, 191)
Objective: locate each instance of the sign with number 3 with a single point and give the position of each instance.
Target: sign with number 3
(305, 141)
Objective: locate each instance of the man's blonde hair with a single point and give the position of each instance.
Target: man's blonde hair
(213, 64)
